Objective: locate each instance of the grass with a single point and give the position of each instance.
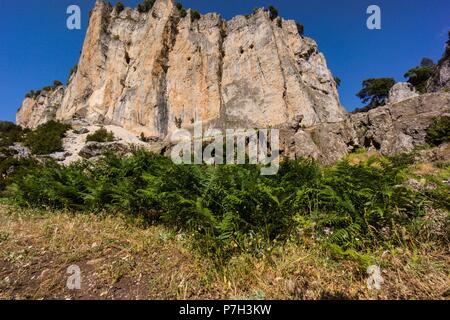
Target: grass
(124, 259)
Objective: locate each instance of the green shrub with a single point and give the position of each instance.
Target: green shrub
(119, 7)
(439, 131)
(47, 138)
(145, 6)
(273, 12)
(72, 71)
(57, 83)
(10, 133)
(195, 15)
(375, 91)
(101, 135)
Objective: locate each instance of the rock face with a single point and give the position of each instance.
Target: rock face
(154, 72)
(441, 78)
(40, 108)
(401, 126)
(401, 91)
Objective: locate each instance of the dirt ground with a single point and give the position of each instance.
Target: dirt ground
(119, 259)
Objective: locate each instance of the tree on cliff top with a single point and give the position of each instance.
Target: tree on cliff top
(419, 76)
(375, 91)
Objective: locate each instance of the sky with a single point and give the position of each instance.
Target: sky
(36, 47)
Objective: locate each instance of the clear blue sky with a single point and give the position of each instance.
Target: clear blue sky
(36, 48)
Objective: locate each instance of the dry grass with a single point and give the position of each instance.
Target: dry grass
(120, 259)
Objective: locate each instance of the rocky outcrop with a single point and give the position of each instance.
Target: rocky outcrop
(40, 108)
(401, 126)
(441, 78)
(401, 91)
(152, 73)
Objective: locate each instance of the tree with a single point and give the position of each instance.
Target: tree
(119, 7)
(420, 75)
(375, 91)
(195, 15)
(145, 6)
(273, 12)
(338, 81)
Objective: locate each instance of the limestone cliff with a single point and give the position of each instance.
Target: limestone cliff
(40, 108)
(153, 72)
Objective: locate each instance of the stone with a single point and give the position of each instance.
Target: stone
(40, 109)
(401, 91)
(18, 151)
(95, 149)
(440, 81)
(152, 72)
(60, 156)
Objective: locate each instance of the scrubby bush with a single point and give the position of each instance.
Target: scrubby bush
(420, 75)
(145, 6)
(439, 131)
(101, 135)
(72, 72)
(195, 15)
(273, 12)
(375, 91)
(47, 138)
(119, 7)
(57, 83)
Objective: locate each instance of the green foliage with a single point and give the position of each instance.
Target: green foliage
(420, 75)
(145, 6)
(300, 28)
(375, 91)
(47, 138)
(72, 71)
(57, 83)
(33, 94)
(439, 131)
(183, 12)
(101, 135)
(273, 12)
(119, 7)
(9, 133)
(338, 81)
(195, 15)
(233, 209)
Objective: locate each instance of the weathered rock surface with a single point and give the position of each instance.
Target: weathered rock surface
(95, 149)
(401, 126)
(41, 108)
(401, 91)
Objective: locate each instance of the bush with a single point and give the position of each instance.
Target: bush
(57, 83)
(300, 28)
(119, 7)
(47, 138)
(101, 135)
(420, 75)
(375, 91)
(273, 12)
(195, 15)
(439, 131)
(145, 6)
